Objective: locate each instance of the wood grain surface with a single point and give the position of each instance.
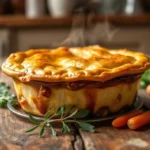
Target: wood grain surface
(13, 136)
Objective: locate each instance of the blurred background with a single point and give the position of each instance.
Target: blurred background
(26, 24)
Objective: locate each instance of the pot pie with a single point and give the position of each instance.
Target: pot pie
(95, 78)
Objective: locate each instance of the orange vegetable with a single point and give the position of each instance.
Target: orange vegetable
(148, 89)
(122, 121)
(139, 121)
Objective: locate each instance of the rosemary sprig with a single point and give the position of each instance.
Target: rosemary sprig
(64, 116)
(6, 96)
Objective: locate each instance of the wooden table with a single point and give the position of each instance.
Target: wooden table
(13, 136)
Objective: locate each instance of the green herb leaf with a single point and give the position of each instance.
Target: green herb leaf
(81, 113)
(5, 96)
(33, 119)
(71, 108)
(58, 112)
(72, 114)
(54, 133)
(14, 102)
(3, 103)
(86, 126)
(47, 115)
(32, 129)
(143, 85)
(48, 124)
(65, 128)
(42, 130)
(63, 109)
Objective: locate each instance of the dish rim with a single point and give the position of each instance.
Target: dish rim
(138, 103)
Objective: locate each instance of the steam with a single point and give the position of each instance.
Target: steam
(76, 36)
(104, 31)
(89, 33)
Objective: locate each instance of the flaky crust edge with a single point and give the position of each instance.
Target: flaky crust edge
(125, 70)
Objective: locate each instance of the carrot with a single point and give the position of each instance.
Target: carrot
(148, 89)
(139, 121)
(122, 121)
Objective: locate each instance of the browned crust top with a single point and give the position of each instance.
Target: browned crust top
(91, 63)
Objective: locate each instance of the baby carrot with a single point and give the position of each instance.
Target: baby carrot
(139, 121)
(122, 121)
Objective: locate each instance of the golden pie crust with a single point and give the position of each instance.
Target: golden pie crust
(95, 78)
(91, 63)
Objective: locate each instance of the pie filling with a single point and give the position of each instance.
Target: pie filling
(100, 98)
(76, 85)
